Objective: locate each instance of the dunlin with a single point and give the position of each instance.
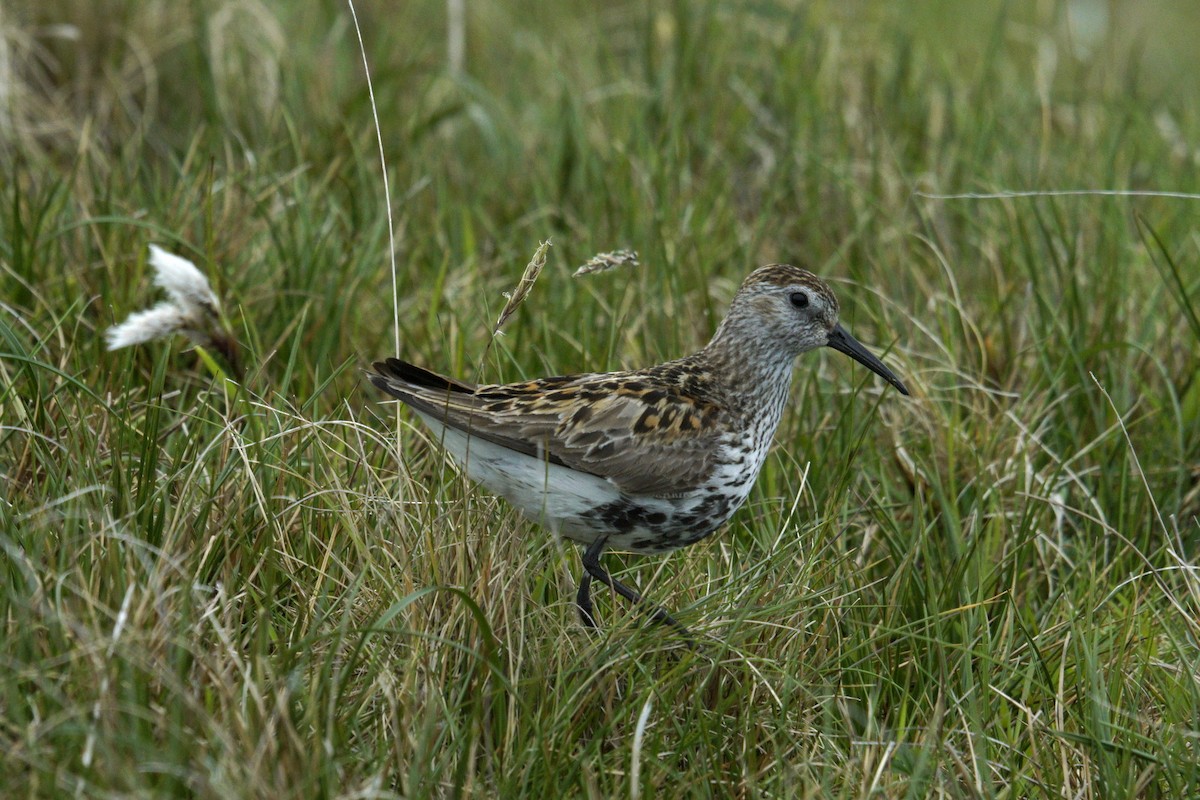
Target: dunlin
(648, 460)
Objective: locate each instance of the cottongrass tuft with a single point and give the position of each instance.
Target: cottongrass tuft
(193, 311)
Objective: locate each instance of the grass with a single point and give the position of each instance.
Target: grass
(987, 590)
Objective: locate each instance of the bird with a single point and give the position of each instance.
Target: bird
(648, 460)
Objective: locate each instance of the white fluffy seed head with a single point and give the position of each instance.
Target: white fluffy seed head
(146, 326)
(186, 285)
(193, 309)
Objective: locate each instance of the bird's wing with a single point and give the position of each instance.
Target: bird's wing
(644, 434)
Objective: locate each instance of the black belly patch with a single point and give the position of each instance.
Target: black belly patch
(656, 531)
(623, 516)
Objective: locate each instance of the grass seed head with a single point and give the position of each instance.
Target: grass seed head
(603, 262)
(518, 295)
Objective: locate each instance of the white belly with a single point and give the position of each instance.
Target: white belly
(555, 496)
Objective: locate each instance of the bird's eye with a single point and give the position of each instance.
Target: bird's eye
(799, 299)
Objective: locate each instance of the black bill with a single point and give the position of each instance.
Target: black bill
(845, 343)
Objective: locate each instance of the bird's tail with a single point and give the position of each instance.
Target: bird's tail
(393, 372)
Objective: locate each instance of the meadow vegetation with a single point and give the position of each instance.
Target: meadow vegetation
(280, 589)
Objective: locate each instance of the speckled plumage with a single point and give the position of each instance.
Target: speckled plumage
(646, 460)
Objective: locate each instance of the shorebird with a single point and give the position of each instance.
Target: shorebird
(648, 460)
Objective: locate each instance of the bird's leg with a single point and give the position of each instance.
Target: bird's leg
(594, 569)
(583, 599)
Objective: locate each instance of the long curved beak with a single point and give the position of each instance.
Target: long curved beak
(845, 343)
